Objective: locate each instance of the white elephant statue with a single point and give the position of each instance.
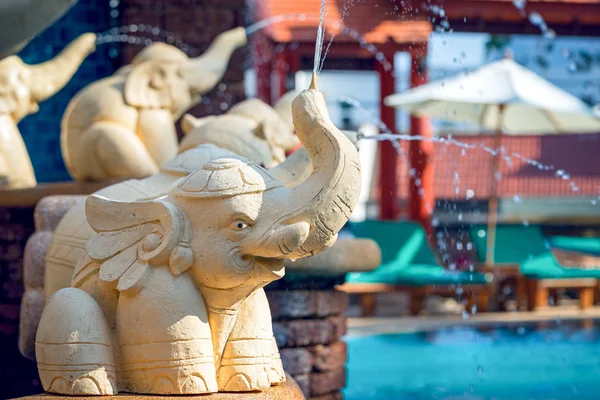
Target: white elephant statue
(169, 299)
(251, 129)
(22, 87)
(123, 126)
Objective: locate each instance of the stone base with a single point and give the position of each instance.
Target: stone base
(286, 391)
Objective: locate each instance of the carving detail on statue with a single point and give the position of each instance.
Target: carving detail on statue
(22, 87)
(170, 299)
(123, 125)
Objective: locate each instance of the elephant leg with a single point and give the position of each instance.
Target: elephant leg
(157, 130)
(165, 339)
(251, 359)
(74, 346)
(118, 153)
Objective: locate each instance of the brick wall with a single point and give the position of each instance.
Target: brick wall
(41, 131)
(308, 323)
(18, 375)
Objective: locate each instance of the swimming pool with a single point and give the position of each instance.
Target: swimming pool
(561, 361)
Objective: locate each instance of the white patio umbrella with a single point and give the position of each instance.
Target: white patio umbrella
(501, 96)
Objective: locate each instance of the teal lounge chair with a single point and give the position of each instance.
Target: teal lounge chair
(527, 247)
(407, 261)
(587, 245)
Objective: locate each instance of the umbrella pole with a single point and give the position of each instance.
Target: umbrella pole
(493, 210)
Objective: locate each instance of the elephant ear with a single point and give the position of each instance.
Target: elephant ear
(131, 236)
(147, 85)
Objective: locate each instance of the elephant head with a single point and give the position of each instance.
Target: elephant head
(251, 129)
(23, 86)
(162, 76)
(231, 223)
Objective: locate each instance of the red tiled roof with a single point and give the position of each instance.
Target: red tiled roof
(572, 161)
(377, 22)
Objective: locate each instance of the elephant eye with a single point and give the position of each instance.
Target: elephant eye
(239, 225)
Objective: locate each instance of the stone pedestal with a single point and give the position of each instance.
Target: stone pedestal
(287, 391)
(17, 374)
(308, 315)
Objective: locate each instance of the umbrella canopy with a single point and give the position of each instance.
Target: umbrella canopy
(531, 104)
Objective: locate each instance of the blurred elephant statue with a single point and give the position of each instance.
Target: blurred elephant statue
(22, 87)
(21, 20)
(251, 128)
(123, 126)
(169, 299)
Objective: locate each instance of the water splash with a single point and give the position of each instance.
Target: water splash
(320, 38)
(141, 35)
(352, 33)
(560, 173)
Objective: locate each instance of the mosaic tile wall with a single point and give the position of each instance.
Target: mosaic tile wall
(41, 131)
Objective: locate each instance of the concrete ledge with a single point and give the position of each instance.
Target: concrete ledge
(287, 391)
(29, 197)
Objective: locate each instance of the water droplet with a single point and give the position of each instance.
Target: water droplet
(535, 18)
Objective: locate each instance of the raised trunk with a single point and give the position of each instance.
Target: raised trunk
(206, 71)
(327, 197)
(48, 78)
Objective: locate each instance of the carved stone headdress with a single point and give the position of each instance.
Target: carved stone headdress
(226, 177)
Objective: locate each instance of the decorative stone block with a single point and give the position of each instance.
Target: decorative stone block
(296, 361)
(309, 332)
(322, 383)
(306, 303)
(327, 358)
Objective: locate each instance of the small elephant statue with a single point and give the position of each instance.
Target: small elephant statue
(123, 126)
(22, 87)
(169, 299)
(251, 129)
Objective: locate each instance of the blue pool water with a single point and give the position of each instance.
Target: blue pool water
(504, 363)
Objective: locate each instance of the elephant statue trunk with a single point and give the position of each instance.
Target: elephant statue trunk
(51, 76)
(205, 71)
(325, 200)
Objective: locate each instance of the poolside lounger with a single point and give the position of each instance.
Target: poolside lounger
(527, 248)
(409, 264)
(587, 245)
